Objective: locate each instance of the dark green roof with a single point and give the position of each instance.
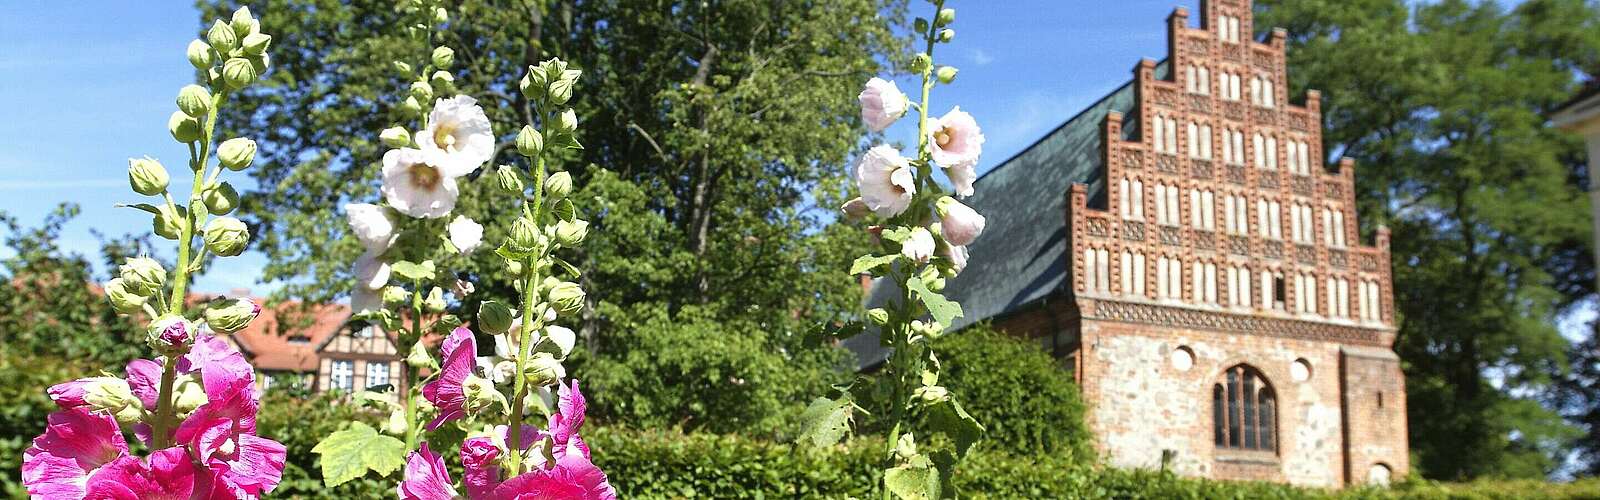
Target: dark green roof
(1022, 255)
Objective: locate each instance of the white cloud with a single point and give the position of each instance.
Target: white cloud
(979, 57)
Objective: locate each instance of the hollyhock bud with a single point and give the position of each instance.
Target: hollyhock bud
(435, 301)
(396, 425)
(194, 100)
(878, 316)
(170, 222)
(855, 209)
(169, 331)
(231, 315)
(558, 185)
(509, 178)
(395, 137)
(932, 393)
(199, 54)
(529, 141)
(188, 394)
(571, 233)
(919, 246)
(921, 62)
(567, 297)
(221, 199)
(481, 394)
(946, 36)
(401, 67)
(443, 80)
(256, 43)
(184, 128)
(394, 296)
(122, 299)
(411, 106)
(419, 357)
(147, 176)
(226, 236)
(239, 72)
(440, 15)
(568, 121)
(259, 62)
(525, 236)
(237, 153)
(959, 223)
(444, 57)
(920, 25)
(221, 37)
(243, 23)
(494, 317)
(533, 83)
(946, 74)
(946, 16)
(543, 370)
(882, 103)
(422, 91)
(143, 276)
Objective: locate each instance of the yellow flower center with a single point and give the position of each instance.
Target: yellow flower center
(942, 137)
(445, 137)
(424, 176)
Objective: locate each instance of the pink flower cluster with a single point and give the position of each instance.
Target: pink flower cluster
(570, 475)
(217, 454)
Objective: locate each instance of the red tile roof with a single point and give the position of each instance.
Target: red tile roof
(271, 341)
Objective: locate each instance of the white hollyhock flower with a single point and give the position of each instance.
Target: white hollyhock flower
(957, 256)
(886, 181)
(563, 337)
(414, 184)
(959, 224)
(919, 246)
(363, 300)
(460, 132)
(371, 224)
(371, 273)
(882, 103)
(465, 234)
(957, 143)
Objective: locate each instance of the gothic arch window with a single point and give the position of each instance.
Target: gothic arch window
(1244, 411)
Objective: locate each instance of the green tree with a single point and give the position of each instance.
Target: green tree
(717, 135)
(1442, 106)
(1029, 404)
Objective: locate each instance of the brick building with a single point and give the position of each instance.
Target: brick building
(1185, 251)
(317, 348)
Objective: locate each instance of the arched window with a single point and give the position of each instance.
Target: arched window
(1244, 412)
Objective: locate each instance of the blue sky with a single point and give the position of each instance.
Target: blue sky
(90, 84)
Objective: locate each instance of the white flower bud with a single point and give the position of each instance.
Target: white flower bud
(931, 393)
(566, 297)
(494, 317)
(435, 302)
(921, 62)
(533, 83)
(199, 54)
(396, 425)
(571, 233)
(226, 236)
(188, 394)
(147, 176)
(558, 185)
(256, 43)
(481, 394)
(238, 73)
(259, 62)
(919, 246)
(123, 300)
(947, 74)
(170, 223)
(143, 276)
(422, 90)
(443, 57)
(946, 16)
(394, 295)
(194, 100)
(529, 141)
(443, 80)
(237, 153)
(184, 128)
(543, 370)
(419, 357)
(221, 37)
(411, 105)
(946, 35)
(878, 316)
(395, 137)
(243, 23)
(525, 235)
(959, 224)
(440, 15)
(510, 178)
(231, 315)
(220, 199)
(402, 68)
(568, 121)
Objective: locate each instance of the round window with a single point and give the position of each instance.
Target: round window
(1300, 370)
(1182, 358)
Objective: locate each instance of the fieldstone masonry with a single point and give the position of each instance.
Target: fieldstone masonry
(1226, 245)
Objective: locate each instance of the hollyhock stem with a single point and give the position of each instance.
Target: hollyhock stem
(529, 291)
(416, 332)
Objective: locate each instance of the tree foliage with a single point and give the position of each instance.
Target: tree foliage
(1442, 105)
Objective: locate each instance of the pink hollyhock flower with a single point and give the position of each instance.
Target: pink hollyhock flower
(221, 433)
(573, 478)
(885, 180)
(882, 103)
(956, 139)
(426, 477)
(144, 379)
(564, 424)
(962, 177)
(75, 444)
(480, 460)
(957, 256)
(166, 474)
(447, 392)
(959, 223)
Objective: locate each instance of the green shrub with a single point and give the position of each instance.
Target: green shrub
(1018, 391)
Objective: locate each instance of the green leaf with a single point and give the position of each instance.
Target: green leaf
(826, 421)
(412, 271)
(897, 234)
(154, 210)
(948, 417)
(916, 480)
(867, 263)
(350, 453)
(565, 210)
(563, 140)
(943, 310)
(508, 254)
(568, 268)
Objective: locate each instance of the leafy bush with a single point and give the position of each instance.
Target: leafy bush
(1028, 403)
(299, 424)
